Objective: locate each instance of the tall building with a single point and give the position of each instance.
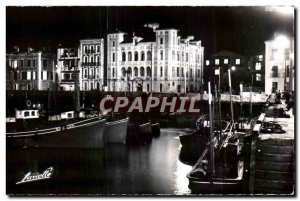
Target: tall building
(91, 64)
(256, 65)
(154, 59)
(225, 60)
(279, 73)
(31, 70)
(67, 67)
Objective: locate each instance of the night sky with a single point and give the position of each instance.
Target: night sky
(239, 29)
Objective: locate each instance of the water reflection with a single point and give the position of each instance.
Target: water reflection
(151, 168)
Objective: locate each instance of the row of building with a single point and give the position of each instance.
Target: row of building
(161, 61)
(149, 59)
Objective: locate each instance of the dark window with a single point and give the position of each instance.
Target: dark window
(148, 71)
(29, 63)
(142, 71)
(287, 71)
(129, 56)
(135, 71)
(24, 75)
(161, 40)
(69, 115)
(26, 114)
(177, 72)
(22, 63)
(161, 71)
(34, 63)
(148, 55)
(275, 71)
(123, 56)
(142, 56)
(136, 56)
(44, 62)
(33, 113)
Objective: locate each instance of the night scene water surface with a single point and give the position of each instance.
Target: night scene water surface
(151, 168)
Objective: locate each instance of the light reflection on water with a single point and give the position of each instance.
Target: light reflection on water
(153, 168)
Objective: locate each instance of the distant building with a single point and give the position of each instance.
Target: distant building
(279, 73)
(67, 67)
(256, 65)
(153, 59)
(31, 70)
(225, 60)
(91, 64)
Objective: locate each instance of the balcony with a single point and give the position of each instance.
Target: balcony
(67, 69)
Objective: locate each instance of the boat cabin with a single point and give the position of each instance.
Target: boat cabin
(27, 114)
(67, 115)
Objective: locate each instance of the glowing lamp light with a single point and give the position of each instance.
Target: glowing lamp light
(233, 68)
(281, 42)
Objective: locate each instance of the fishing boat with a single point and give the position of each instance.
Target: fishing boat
(220, 168)
(226, 176)
(87, 133)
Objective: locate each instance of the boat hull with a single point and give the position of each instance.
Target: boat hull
(82, 134)
(116, 131)
(218, 186)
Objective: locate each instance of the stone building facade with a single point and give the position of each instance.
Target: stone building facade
(162, 62)
(91, 64)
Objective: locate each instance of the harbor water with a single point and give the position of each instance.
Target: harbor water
(150, 168)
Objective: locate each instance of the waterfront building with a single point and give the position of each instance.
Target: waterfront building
(154, 59)
(256, 65)
(91, 64)
(217, 66)
(279, 57)
(67, 67)
(31, 70)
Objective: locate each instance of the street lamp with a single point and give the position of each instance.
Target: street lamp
(282, 43)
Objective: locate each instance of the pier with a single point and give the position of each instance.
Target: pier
(272, 169)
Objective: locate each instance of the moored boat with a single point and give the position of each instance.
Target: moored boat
(86, 133)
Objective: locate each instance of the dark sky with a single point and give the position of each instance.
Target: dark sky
(239, 29)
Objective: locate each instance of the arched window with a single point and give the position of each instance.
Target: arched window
(142, 71)
(92, 49)
(123, 72)
(136, 56)
(148, 87)
(98, 60)
(98, 86)
(148, 55)
(85, 60)
(92, 86)
(129, 71)
(123, 56)
(85, 73)
(129, 56)
(85, 86)
(142, 56)
(148, 71)
(135, 71)
(92, 59)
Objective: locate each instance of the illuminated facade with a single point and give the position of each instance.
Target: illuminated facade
(31, 70)
(279, 62)
(161, 62)
(91, 62)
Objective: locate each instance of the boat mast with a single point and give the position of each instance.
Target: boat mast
(231, 107)
(211, 145)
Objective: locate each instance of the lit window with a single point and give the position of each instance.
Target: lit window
(237, 61)
(225, 61)
(258, 77)
(207, 62)
(217, 61)
(260, 57)
(258, 66)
